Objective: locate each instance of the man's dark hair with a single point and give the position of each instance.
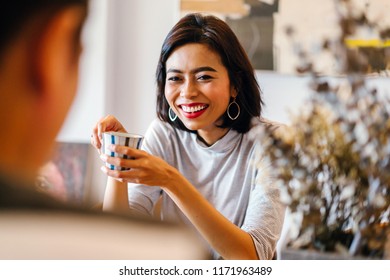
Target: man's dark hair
(18, 14)
(216, 35)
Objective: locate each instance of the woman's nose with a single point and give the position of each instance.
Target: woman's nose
(189, 90)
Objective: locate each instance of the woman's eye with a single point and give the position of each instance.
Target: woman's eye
(204, 78)
(173, 79)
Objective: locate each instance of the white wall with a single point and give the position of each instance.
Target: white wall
(136, 30)
(285, 94)
(282, 94)
(89, 103)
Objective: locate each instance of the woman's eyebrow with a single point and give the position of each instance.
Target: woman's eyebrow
(193, 71)
(203, 68)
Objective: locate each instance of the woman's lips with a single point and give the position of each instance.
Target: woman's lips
(194, 110)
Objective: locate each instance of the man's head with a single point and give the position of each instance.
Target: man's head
(39, 56)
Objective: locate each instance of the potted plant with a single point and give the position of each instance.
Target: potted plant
(332, 164)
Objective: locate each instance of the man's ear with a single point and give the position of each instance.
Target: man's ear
(57, 50)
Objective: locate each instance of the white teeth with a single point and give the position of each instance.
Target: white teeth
(193, 109)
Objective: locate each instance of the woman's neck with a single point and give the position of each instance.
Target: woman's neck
(210, 137)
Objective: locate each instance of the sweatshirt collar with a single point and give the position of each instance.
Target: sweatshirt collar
(226, 143)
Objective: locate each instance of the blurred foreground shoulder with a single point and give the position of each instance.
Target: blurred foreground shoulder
(36, 226)
(74, 235)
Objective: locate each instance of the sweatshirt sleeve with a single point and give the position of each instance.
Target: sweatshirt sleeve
(265, 214)
(143, 199)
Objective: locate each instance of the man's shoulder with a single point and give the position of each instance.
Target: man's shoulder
(69, 232)
(17, 195)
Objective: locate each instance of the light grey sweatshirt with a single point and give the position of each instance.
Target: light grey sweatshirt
(227, 174)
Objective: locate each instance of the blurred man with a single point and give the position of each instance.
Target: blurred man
(39, 57)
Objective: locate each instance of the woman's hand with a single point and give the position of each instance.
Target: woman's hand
(145, 168)
(108, 123)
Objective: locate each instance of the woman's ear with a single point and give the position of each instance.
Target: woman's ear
(233, 92)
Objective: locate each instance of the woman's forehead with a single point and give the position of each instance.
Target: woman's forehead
(194, 55)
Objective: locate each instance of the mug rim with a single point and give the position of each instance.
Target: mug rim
(123, 134)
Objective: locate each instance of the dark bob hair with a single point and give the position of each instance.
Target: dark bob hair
(217, 35)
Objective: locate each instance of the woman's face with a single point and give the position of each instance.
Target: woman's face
(198, 89)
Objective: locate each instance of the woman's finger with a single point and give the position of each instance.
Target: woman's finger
(129, 176)
(124, 150)
(100, 127)
(95, 141)
(107, 123)
(120, 162)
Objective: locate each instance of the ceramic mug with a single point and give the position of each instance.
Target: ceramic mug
(123, 139)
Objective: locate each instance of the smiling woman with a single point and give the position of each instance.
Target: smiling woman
(197, 158)
(199, 92)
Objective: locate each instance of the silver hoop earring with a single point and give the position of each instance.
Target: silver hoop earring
(172, 116)
(238, 110)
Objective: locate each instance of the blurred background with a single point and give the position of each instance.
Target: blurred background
(122, 41)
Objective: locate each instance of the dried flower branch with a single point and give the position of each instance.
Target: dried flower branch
(333, 163)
